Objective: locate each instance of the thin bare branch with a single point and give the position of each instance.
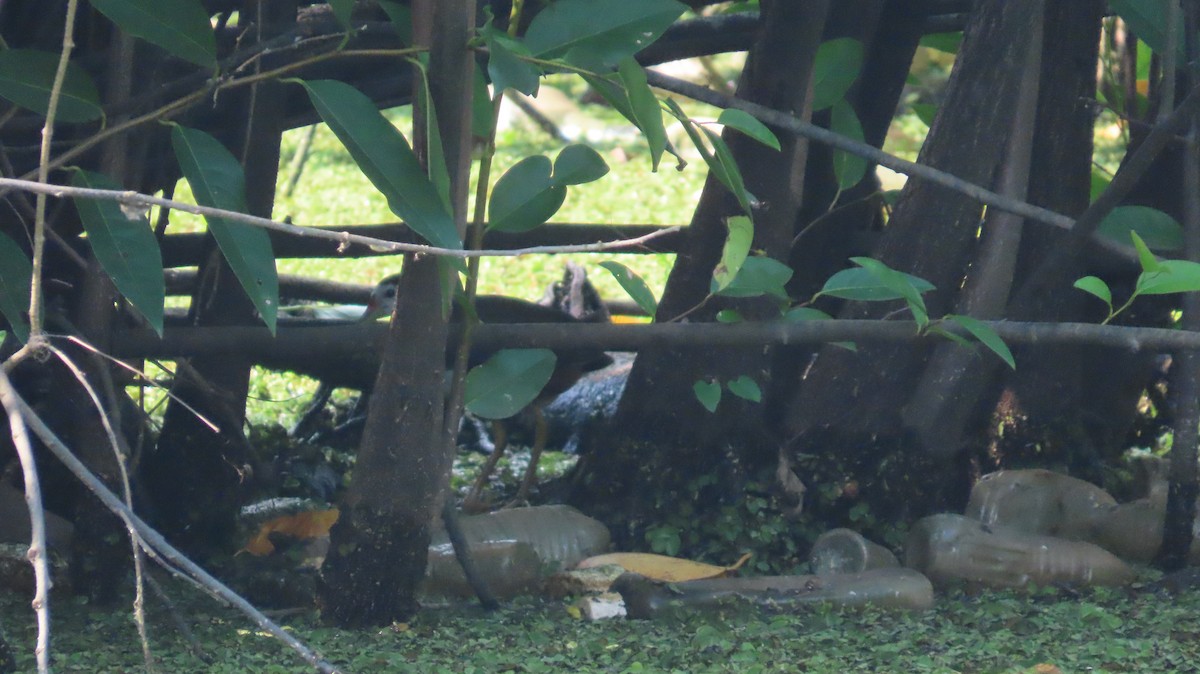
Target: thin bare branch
(132, 198)
(155, 540)
(37, 520)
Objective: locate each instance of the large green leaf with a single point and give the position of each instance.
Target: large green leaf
(730, 175)
(182, 27)
(861, 285)
(125, 247)
(401, 18)
(16, 274)
(749, 125)
(1097, 287)
(505, 67)
(1174, 276)
(385, 157)
(1148, 19)
(899, 283)
(216, 179)
(836, 67)
(525, 196)
(986, 336)
(27, 75)
(758, 276)
(737, 246)
(1157, 229)
(342, 9)
(849, 169)
(436, 167)
(746, 388)
(508, 382)
(633, 285)
(708, 393)
(578, 164)
(596, 34)
(646, 108)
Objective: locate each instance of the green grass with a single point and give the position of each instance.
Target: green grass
(1045, 632)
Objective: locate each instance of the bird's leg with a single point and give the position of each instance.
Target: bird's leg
(474, 500)
(540, 432)
(308, 421)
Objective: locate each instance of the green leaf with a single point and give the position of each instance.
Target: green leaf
(16, 274)
(986, 336)
(1174, 276)
(1145, 257)
(615, 95)
(1148, 19)
(737, 247)
(578, 164)
(507, 382)
(525, 197)
(646, 108)
(401, 18)
(125, 247)
(27, 75)
(216, 179)
(708, 393)
(181, 27)
(925, 112)
(729, 316)
(342, 9)
(836, 67)
(730, 175)
(943, 42)
(861, 285)
(849, 169)
(633, 285)
(505, 69)
(758, 276)
(481, 106)
(749, 125)
(595, 35)
(1100, 181)
(899, 283)
(436, 168)
(1157, 229)
(746, 388)
(385, 157)
(797, 314)
(1095, 286)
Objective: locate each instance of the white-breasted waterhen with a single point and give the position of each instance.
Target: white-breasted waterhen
(571, 364)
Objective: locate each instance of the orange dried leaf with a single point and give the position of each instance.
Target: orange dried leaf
(305, 525)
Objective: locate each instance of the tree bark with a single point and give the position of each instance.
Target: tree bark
(379, 545)
(658, 406)
(852, 400)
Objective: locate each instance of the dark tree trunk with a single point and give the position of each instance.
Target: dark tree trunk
(196, 476)
(379, 546)
(852, 401)
(664, 436)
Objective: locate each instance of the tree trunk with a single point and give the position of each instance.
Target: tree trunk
(379, 546)
(664, 437)
(852, 400)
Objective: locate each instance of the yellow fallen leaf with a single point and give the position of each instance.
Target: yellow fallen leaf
(661, 567)
(310, 524)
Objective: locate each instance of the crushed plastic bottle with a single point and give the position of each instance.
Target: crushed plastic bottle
(953, 549)
(846, 551)
(886, 588)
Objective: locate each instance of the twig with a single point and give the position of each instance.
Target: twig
(154, 539)
(37, 520)
(1091, 218)
(136, 198)
(108, 414)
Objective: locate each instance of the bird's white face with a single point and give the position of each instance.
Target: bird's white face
(383, 299)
